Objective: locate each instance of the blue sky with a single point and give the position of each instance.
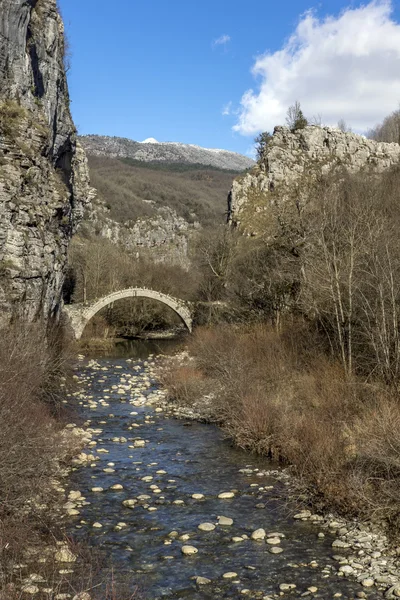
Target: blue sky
(169, 69)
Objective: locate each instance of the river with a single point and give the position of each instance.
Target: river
(158, 463)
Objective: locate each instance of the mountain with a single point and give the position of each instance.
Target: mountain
(150, 150)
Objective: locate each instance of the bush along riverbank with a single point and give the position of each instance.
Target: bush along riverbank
(38, 449)
(277, 394)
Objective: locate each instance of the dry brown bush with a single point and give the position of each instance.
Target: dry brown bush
(279, 395)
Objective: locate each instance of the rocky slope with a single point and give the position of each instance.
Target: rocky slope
(154, 208)
(271, 196)
(44, 181)
(167, 152)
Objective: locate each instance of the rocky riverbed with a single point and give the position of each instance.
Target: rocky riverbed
(182, 514)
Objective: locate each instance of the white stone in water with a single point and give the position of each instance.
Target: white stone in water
(74, 495)
(117, 486)
(312, 589)
(237, 539)
(230, 575)
(369, 582)
(97, 489)
(304, 514)
(97, 525)
(206, 527)
(226, 495)
(273, 541)
(287, 587)
(202, 581)
(258, 534)
(185, 537)
(346, 569)
(178, 502)
(189, 550)
(109, 470)
(197, 496)
(225, 521)
(275, 550)
(129, 503)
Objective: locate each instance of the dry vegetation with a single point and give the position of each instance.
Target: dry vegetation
(277, 394)
(308, 371)
(34, 370)
(132, 189)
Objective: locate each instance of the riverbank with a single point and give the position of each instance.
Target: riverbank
(370, 541)
(146, 511)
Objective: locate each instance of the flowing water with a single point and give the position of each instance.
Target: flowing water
(176, 460)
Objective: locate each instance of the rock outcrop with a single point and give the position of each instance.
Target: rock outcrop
(163, 237)
(44, 182)
(165, 152)
(267, 199)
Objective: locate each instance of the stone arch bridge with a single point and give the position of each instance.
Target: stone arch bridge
(80, 314)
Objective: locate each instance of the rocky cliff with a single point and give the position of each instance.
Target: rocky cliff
(270, 197)
(44, 182)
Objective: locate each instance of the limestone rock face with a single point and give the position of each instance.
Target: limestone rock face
(163, 237)
(271, 194)
(44, 181)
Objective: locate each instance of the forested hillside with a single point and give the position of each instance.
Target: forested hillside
(133, 189)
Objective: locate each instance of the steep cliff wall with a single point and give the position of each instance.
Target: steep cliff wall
(44, 181)
(269, 199)
(163, 237)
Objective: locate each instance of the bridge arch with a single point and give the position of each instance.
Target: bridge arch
(79, 315)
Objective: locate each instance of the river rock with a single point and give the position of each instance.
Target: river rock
(117, 486)
(97, 489)
(197, 496)
(64, 554)
(258, 534)
(346, 569)
(189, 550)
(206, 527)
(273, 541)
(226, 495)
(304, 514)
(287, 587)
(202, 581)
(230, 575)
(368, 582)
(130, 503)
(225, 521)
(275, 550)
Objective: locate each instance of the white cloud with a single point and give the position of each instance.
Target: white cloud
(346, 66)
(227, 108)
(222, 40)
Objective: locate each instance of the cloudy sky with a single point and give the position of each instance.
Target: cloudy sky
(217, 72)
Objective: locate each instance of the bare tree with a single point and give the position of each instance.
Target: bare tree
(342, 125)
(388, 130)
(295, 118)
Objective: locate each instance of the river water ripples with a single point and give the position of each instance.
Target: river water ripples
(161, 463)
